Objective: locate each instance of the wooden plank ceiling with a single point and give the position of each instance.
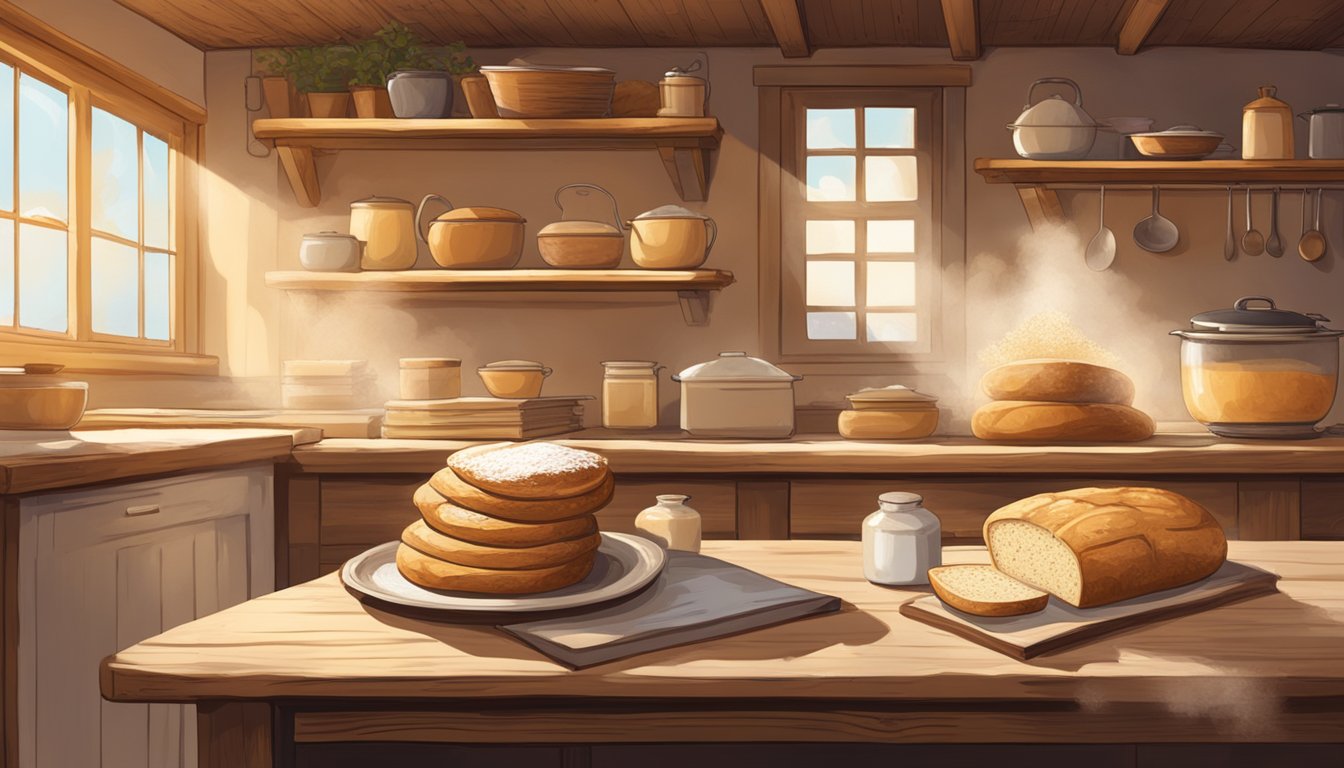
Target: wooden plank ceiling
(797, 27)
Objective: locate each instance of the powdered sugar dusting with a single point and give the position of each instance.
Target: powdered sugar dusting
(523, 462)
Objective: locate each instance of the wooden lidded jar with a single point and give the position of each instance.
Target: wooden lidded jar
(1267, 128)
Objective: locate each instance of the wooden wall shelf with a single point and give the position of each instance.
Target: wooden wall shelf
(692, 287)
(683, 143)
(1036, 180)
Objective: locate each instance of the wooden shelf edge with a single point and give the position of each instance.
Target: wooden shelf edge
(514, 280)
(1045, 172)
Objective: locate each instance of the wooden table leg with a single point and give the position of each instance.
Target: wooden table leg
(234, 734)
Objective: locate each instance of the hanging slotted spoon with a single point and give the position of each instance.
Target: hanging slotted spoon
(1157, 233)
(1101, 250)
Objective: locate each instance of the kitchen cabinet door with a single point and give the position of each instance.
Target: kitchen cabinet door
(109, 568)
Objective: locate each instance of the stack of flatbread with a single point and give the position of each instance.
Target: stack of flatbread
(507, 519)
(1059, 400)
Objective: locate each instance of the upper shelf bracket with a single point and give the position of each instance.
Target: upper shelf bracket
(683, 143)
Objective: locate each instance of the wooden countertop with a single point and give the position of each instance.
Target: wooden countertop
(41, 461)
(315, 641)
(672, 453)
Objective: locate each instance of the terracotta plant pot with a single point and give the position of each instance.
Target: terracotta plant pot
(281, 98)
(371, 101)
(329, 104)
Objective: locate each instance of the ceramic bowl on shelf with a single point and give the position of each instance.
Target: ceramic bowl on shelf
(513, 379)
(544, 91)
(1181, 142)
(36, 402)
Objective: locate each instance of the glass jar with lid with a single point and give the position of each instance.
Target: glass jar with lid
(630, 394)
(901, 540)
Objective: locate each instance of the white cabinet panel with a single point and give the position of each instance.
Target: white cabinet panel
(108, 568)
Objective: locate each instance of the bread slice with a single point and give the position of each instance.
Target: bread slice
(1058, 381)
(981, 590)
(1094, 546)
(538, 470)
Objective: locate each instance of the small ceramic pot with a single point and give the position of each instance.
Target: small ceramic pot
(420, 93)
(514, 379)
(330, 252)
(431, 378)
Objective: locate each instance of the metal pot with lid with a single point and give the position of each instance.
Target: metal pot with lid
(471, 238)
(582, 244)
(681, 93)
(737, 395)
(1255, 370)
(671, 237)
(1054, 128)
(1326, 132)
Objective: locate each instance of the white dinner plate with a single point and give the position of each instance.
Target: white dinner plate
(624, 564)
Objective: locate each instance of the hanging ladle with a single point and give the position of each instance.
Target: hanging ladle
(1313, 245)
(1252, 243)
(1157, 233)
(1101, 250)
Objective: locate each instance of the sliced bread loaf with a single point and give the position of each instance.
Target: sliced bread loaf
(981, 590)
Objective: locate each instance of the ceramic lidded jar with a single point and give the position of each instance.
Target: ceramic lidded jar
(671, 237)
(671, 523)
(901, 540)
(387, 227)
(1267, 127)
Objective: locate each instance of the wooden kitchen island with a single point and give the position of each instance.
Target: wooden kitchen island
(310, 676)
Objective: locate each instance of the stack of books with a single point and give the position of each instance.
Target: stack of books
(483, 418)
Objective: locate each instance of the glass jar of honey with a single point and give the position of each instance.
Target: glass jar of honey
(630, 394)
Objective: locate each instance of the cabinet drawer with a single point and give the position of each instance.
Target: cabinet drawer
(90, 516)
(836, 508)
(715, 501)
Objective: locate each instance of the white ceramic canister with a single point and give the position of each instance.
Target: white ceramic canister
(1326, 133)
(901, 540)
(630, 394)
(431, 378)
(671, 523)
(329, 252)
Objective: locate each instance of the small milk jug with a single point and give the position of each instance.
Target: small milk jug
(901, 541)
(671, 523)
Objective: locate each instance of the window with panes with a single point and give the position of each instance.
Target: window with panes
(859, 204)
(88, 214)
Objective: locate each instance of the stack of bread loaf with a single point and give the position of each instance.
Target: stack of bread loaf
(507, 519)
(1087, 547)
(1067, 400)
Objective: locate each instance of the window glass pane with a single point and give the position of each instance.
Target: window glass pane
(156, 193)
(889, 127)
(892, 326)
(830, 178)
(889, 178)
(891, 236)
(831, 325)
(830, 283)
(42, 278)
(830, 129)
(158, 295)
(44, 157)
(830, 237)
(116, 176)
(891, 284)
(7, 139)
(115, 275)
(6, 272)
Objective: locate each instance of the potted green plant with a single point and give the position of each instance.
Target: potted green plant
(322, 73)
(397, 74)
(281, 97)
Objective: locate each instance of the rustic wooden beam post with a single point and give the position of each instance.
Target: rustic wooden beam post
(1143, 16)
(234, 734)
(789, 25)
(963, 29)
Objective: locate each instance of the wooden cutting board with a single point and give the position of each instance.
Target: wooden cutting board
(1062, 626)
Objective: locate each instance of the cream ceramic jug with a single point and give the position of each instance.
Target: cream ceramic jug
(387, 227)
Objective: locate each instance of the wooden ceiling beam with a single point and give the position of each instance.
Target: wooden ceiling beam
(789, 25)
(1143, 16)
(963, 29)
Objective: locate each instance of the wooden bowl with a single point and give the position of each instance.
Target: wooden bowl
(1175, 147)
(551, 91)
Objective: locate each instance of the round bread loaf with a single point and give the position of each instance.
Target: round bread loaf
(1068, 422)
(538, 470)
(464, 494)
(1058, 381)
(461, 523)
(1093, 546)
(432, 573)
(451, 550)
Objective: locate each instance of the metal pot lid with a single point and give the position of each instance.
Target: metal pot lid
(513, 365)
(1327, 108)
(1243, 318)
(547, 68)
(671, 212)
(735, 366)
(894, 394)
(1054, 112)
(380, 201)
(481, 213)
(330, 235)
(579, 228)
(437, 74)
(694, 66)
(630, 364)
(1181, 130)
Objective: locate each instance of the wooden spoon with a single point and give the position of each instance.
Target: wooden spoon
(1313, 244)
(1252, 243)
